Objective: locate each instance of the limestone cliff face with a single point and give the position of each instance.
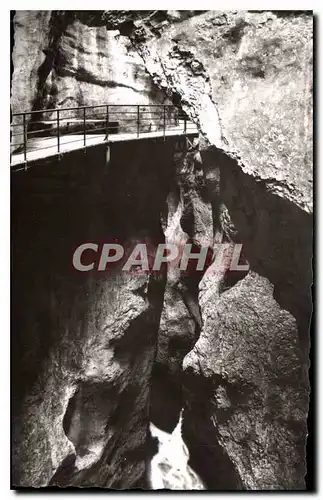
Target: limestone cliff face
(62, 61)
(30, 40)
(245, 78)
(230, 347)
(84, 342)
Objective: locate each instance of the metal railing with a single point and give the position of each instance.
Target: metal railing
(59, 127)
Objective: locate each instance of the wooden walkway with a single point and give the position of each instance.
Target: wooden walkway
(47, 146)
(53, 132)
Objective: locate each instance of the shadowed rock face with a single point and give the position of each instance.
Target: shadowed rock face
(234, 74)
(84, 342)
(249, 355)
(246, 79)
(231, 348)
(188, 219)
(63, 61)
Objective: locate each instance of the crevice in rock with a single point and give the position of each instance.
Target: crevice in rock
(53, 59)
(263, 219)
(232, 276)
(64, 472)
(166, 400)
(207, 456)
(230, 279)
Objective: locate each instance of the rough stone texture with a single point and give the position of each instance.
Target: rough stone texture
(62, 60)
(188, 220)
(248, 357)
(31, 32)
(84, 342)
(259, 66)
(245, 78)
(277, 236)
(73, 63)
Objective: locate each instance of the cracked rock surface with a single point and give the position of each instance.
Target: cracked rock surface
(230, 348)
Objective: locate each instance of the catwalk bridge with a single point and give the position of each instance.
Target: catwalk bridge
(53, 132)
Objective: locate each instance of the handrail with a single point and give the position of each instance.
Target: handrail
(62, 122)
(93, 106)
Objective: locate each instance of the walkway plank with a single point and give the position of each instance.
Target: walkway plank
(76, 142)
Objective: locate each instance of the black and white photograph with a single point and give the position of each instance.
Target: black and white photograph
(162, 247)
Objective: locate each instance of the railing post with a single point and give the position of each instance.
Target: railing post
(25, 137)
(107, 132)
(185, 124)
(138, 120)
(164, 123)
(58, 139)
(84, 126)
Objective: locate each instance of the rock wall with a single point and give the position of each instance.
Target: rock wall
(246, 79)
(235, 74)
(232, 347)
(61, 60)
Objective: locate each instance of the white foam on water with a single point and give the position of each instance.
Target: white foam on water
(169, 468)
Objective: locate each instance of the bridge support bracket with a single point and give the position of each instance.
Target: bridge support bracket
(183, 144)
(189, 145)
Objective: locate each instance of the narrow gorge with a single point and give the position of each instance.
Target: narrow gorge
(106, 363)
